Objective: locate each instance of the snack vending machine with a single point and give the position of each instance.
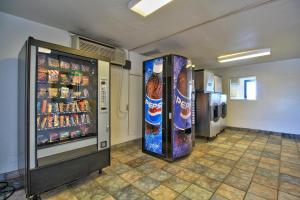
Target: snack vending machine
(64, 112)
(167, 96)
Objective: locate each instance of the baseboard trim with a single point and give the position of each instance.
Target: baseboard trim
(135, 141)
(287, 135)
(9, 175)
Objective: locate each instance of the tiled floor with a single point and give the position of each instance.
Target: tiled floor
(236, 165)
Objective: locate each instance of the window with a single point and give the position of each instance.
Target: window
(243, 88)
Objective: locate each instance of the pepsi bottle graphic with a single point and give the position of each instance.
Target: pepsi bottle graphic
(182, 107)
(153, 100)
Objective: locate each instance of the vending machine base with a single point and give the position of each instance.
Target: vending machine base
(53, 176)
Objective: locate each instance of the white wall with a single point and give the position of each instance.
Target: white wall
(277, 107)
(13, 33)
(126, 126)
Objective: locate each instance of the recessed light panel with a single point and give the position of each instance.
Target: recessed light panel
(146, 7)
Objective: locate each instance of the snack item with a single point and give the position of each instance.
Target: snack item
(50, 121)
(49, 107)
(76, 108)
(44, 106)
(52, 62)
(53, 137)
(82, 119)
(72, 120)
(68, 107)
(55, 107)
(61, 121)
(75, 66)
(75, 134)
(87, 105)
(44, 121)
(38, 122)
(56, 120)
(76, 79)
(42, 75)
(76, 94)
(64, 65)
(84, 130)
(61, 107)
(85, 68)
(64, 79)
(53, 92)
(82, 106)
(53, 76)
(85, 93)
(41, 60)
(64, 92)
(42, 92)
(38, 106)
(85, 81)
(64, 135)
(68, 124)
(41, 139)
(88, 120)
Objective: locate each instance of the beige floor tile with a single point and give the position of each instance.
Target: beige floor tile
(163, 193)
(263, 180)
(290, 171)
(286, 196)
(239, 183)
(187, 175)
(263, 191)
(250, 196)
(290, 188)
(222, 168)
(195, 192)
(131, 176)
(241, 173)
(207, 183)
(230, 192)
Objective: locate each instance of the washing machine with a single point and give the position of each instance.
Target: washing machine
(223, 111)
(207, 120)
(215, 115)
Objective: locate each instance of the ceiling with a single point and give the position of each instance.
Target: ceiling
(199, 29)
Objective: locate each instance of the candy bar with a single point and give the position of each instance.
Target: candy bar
(56, 120)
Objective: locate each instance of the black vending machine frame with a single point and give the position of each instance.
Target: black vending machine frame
(167, 123)
(44, 178)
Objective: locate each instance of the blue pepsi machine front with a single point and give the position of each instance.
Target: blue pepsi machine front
(167, 110)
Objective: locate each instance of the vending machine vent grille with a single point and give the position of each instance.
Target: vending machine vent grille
(115, 55)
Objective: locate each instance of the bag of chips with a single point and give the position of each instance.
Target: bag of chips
(64, 65)
(64, 92)
(75, 66)
(52, 62)
(85, 81)
(53, 92)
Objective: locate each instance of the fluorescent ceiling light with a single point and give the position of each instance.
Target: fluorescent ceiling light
(244, 55)
(146, 7)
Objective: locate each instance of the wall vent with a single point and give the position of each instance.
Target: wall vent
(151, 53)
(115, 55)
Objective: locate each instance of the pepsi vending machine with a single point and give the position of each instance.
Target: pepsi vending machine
(167, 114)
